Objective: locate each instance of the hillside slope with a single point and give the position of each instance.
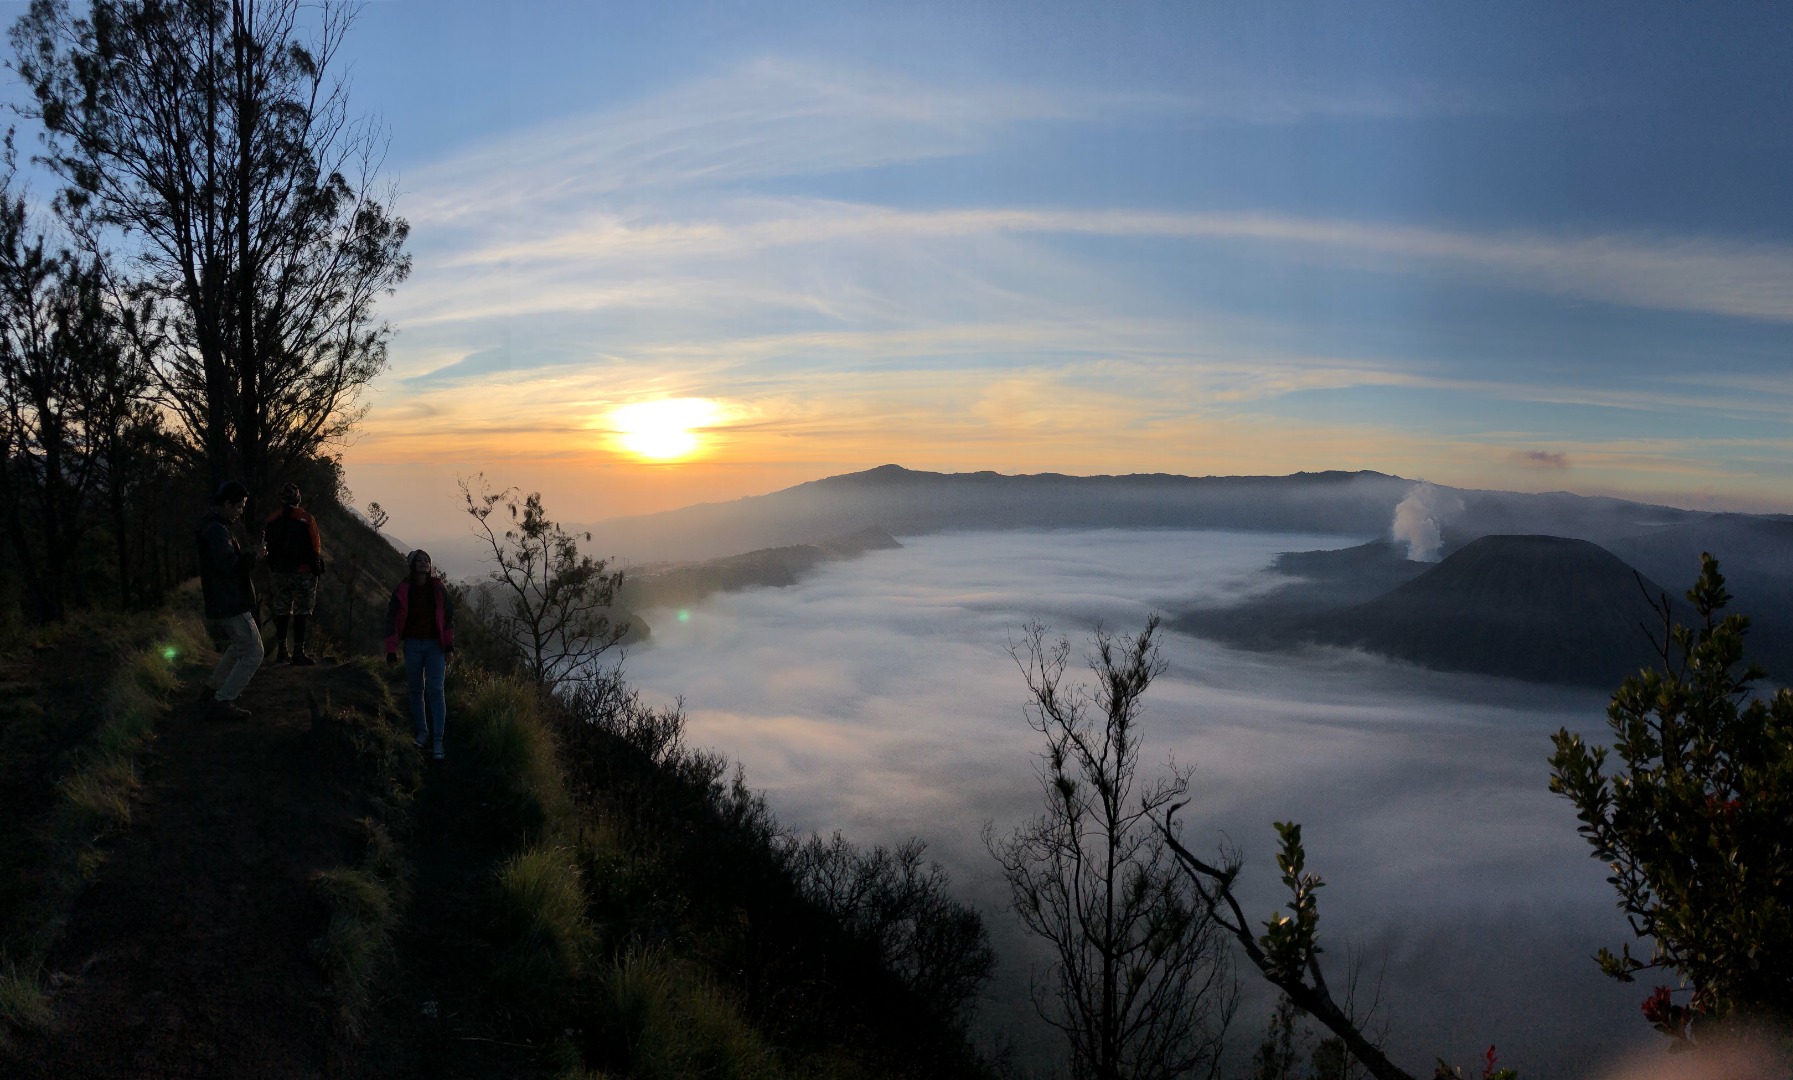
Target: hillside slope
(293, 896)
(1543, 608)
(1539, 608)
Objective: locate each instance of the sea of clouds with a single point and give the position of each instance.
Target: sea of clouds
(877, 697)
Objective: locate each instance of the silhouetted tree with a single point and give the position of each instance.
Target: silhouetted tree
(209, 142)
(1140, 984)
(900, 905)
(1697, 822)
(552, 604)
(70, 401)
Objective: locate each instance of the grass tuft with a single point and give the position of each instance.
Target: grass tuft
(24, 1004)
(355, 727)
(358, 937)
(673, 1022)
(364, 901)
(96, 801)
(542, 904)
(504, 732)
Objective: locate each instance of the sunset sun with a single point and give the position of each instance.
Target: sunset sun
(670, 429)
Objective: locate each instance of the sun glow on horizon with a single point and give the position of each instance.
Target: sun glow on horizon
(670, 429)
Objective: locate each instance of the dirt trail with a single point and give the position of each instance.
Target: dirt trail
(189, 956)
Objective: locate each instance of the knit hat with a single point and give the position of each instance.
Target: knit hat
(230, 491)
(290, 494)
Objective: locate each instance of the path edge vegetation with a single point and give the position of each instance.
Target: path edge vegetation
(365, 901)
(93, 803)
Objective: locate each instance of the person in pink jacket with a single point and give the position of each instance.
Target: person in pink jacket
(420, 621)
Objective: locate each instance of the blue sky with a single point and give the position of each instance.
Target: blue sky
(1530, 246)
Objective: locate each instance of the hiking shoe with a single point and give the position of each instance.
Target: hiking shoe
(419, 743)
(229, 710)
(436, 754)
(301, 660)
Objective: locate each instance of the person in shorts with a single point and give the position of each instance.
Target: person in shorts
(296, 559)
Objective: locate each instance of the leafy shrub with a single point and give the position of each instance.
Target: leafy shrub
(828, 945)
(1694, 825)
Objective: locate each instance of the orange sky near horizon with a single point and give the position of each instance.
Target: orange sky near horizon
(409, 453)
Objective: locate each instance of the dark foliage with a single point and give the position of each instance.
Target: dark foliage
(84, 484)
(898, 904)
(824, 943)
(1696, 822)
(208, 144)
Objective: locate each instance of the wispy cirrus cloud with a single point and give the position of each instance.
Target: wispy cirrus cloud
(766, 119)
(1688, 274)
(775, 117)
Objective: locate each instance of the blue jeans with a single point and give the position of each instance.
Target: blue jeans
(425, 666)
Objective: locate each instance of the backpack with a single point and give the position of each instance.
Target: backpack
(288, 536)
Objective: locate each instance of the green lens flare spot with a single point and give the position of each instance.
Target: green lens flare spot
(684, 616)
(170, 653)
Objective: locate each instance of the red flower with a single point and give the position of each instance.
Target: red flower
(1657, 1006)
(1665, 1016)
(1488, 1069)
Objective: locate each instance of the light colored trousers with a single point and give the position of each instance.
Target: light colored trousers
(241, 657)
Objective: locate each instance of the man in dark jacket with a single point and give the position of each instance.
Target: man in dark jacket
(296, 558)
(224, 567)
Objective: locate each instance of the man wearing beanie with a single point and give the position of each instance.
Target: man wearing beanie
(295, 557)
(224, 567)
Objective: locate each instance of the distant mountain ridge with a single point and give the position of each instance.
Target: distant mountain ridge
(909, 502)
(1664, 542)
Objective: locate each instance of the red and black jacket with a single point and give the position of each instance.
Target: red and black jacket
(400, 606)
(291, 534)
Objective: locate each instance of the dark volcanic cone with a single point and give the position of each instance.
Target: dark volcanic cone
(1543, 608)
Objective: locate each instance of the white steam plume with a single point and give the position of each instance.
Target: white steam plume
(1420, 518)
